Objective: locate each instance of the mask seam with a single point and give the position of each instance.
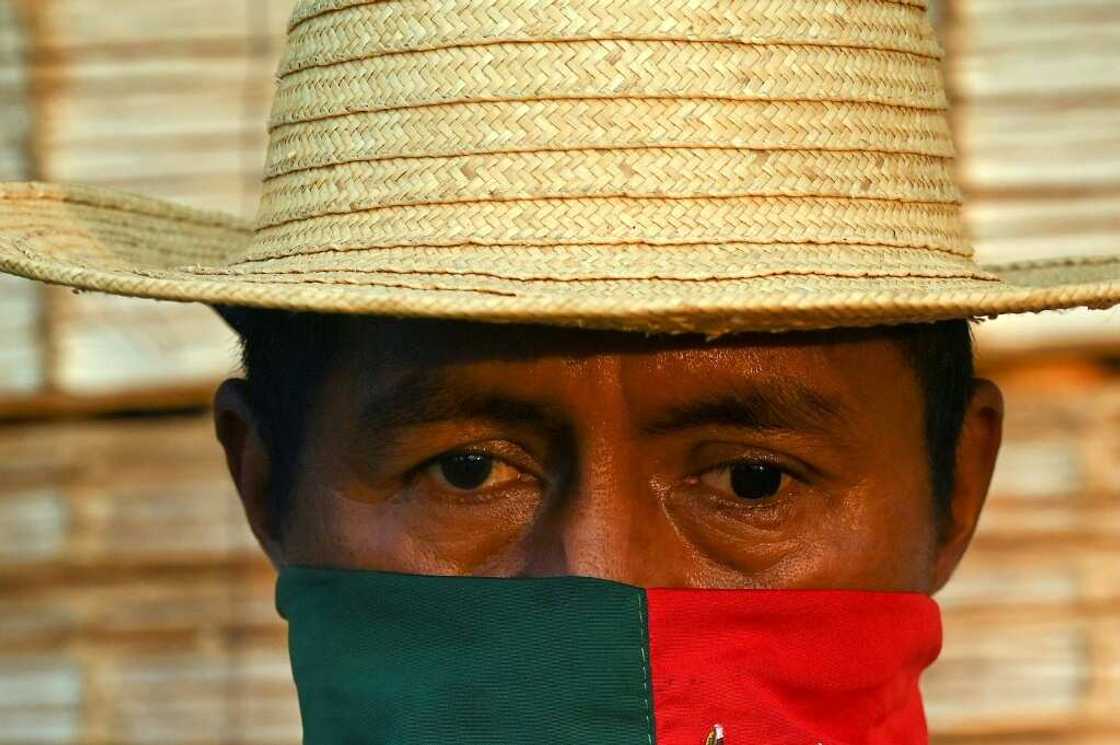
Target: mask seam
(647, 673)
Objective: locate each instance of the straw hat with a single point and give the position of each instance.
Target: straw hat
(668, 165)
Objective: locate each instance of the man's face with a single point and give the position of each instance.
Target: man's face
(761, 461)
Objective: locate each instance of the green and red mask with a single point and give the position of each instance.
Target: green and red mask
(418, 660)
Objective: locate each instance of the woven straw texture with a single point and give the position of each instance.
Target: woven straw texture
(685, 165)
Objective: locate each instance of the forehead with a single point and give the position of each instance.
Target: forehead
(846, 365)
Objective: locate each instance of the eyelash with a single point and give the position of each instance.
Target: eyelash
(793, 470)
(787, 473)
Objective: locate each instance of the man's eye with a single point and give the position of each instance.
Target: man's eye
(470, 471)
(752, 482)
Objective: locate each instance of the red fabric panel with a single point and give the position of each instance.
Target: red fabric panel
(791, 667)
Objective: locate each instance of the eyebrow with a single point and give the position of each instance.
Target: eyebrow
(429, 396)
(777, 406)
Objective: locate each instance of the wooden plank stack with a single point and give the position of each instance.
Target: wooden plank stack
(21, 357)
(135, 606)
(15, 119)
(1032, 619)
(1036, 96)
(167, 99)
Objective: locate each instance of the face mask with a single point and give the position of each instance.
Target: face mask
(417, 660)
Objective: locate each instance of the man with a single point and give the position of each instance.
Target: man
(628, 396)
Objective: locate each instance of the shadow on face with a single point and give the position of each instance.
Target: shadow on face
(762, 460)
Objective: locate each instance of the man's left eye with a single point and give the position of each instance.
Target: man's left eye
(466, 472)
(751, 482)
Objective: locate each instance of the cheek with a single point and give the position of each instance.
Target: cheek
(879, 532)
(397, 536)
(873, 537)
(882, 539)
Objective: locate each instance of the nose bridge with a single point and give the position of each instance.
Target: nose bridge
(598, 520)
(606, 522)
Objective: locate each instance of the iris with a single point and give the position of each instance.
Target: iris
(755, 481)
(466, 470)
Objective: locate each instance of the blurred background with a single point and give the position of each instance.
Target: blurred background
(134, 605)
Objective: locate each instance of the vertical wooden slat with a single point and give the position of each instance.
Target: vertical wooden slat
(21, 354)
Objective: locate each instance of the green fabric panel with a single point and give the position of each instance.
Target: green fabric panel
(418, 660)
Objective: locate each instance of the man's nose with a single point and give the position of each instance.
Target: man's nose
(605, 522)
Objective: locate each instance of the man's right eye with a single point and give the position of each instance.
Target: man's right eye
(746, 480)
(469, 472)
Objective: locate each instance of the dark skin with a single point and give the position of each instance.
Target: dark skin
(753, 461)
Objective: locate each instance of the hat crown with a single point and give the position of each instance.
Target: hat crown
(409, 116)
(583, 131)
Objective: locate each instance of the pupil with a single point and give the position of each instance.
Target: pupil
(466, 471)
(755, 481)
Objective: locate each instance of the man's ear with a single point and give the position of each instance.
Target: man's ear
(247, 457)
(977, 449)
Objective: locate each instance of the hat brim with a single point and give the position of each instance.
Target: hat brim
(107, 241)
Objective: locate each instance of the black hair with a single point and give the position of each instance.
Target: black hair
(942, 356)
(286, 357)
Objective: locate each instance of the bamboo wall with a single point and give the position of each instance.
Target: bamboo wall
(134, 605)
